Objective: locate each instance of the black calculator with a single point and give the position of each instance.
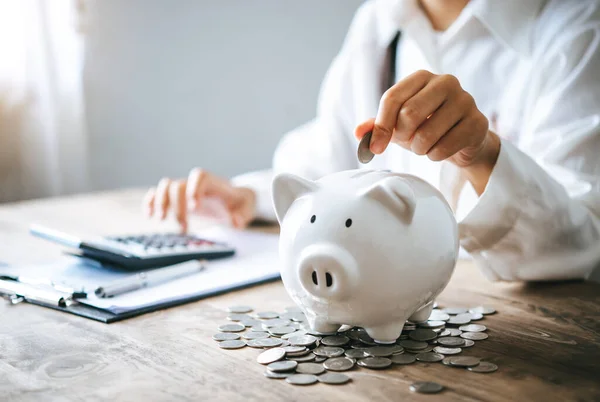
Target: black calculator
(139, 251)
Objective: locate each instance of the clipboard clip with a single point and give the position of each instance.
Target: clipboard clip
(16, 292)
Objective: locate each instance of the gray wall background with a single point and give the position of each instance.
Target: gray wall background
(170, 85)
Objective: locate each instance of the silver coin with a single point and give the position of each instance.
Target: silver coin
(410, 344)
(432, 324)
(251, 322)
(234, 344)
(355, 353)
(272, 374)
(276, 322)
(483, 367)
(426, 387)
(238, 317)
(454, 310)
(473, 328)
(446, 361)
(334, 378)
(281, 366)
(296, 333)
(267, 315)
(451, 341)
(339, 363)
(309, 357)
(383, 351)
(302, 379)
(476, 316)
(225, 336)
(474, 336)
(447, 351)
(429, 357)
(366, 339)
(303, 340)
(231, 327)
(485, 310)
(271, 355)
(445, 332)
(284, 343)
(239, 309)
(459, 320)
(454, 331)
(319, 359)
(335, 340)
(464, 361)
(328, 351)
(255, 335)
(293, 316)
(278, 331)
(422, 335)
(403, 359)
(291, 350)
(364, 152)
(310, 368)
(374, 362)
(437, 315)
(427, 348)
(265, 343)
(468, 343)
(344, 328)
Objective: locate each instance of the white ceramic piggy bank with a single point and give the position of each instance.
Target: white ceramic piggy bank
(364, 248)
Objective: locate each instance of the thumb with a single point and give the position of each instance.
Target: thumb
(363, 128)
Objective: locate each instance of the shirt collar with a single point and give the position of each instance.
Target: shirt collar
(511, 21)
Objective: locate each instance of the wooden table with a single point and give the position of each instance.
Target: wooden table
(545, 337)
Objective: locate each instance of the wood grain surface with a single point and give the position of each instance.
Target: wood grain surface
(545, 337)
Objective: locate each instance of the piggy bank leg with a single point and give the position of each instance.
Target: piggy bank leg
(386, 334)
(422, 314)
(321, 325)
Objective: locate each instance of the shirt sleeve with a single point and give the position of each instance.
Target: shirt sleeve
(539, 216)
(326, 144)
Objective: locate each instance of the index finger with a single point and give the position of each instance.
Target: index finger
(389, 107)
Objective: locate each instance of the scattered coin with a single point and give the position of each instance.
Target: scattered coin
(425, 387)
(238, 317)
(383, 351)
(454, 331)
(485, 310)
(255, 335)
(265, 343)
(451, 341)
(319, 359)
(474, 336)
(333, 378)
(459, 320)
(446, 361)
(233, 344)
(429, 357)
(335, 340)
(239, 309)
(447, 351)
(483, 367)
(251, 322)
(296, 333)
(445, 332)
(374, 362)
(464, 361)
(403, 359)
(310, 368)
(284, 365)
(272, 374)
(339, 363)
(309, 357)
(291, 350)
(355, 353)
(468, 343)
(433, 324)
(276, 322)
(278, 331)
(410, 344)
(328, 351)
(473, 328)
(427, 348)
(364, 152)
(437, 315)
(476, 316)
(271, 355)
(232, 328)
(303, 340)
(302, 379)
(422, 335)
(225, 336)
(267, 315)
(454, 310)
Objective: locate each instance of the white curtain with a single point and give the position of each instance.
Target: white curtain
(42, 116)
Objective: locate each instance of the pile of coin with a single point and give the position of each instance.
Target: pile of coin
(292, 351)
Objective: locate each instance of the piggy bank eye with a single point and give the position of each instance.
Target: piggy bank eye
(313, 219)
(348, 223)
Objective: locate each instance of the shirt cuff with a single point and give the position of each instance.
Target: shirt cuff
(259, 181)
(497, 209)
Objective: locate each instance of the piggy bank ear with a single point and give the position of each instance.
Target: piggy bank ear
(286, 189)
(396, 195)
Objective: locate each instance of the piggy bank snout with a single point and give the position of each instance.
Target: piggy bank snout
(327, 271)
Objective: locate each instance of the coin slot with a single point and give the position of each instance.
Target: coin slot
(328, 279)
(314, 278)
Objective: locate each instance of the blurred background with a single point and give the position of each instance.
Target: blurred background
(103, 94)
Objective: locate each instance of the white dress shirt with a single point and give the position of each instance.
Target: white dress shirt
(533, 67)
